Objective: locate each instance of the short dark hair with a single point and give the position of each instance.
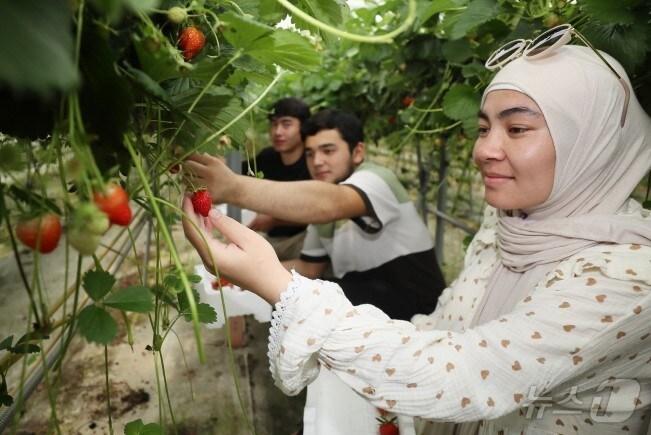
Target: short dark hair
(290, 107)
(349, 126)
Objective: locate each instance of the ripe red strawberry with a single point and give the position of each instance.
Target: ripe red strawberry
(222, 282)
(408, 101)
(191, 42)
(114, 201)
(201, 202)
(121, 215)
(42, 232)
(388, 427)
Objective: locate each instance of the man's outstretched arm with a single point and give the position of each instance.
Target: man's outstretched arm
(302, 202)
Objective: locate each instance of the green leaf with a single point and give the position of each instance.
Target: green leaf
(461, 102)
(206, 313)
(36, 46)
(35, 201)
(647, 204)
(331, 12)
(12, 158)
(289, 50)
(208, 67)
(478, 12)
(429, 9)
(98, 283)
(159, 58)
(96, 325)
(245, 33)
(473, 69)
(6, 343)
(137, 427)
(25, 348)
(5, 398)
(141, 5)
(627, 44)
(270, 46)
(173, 282)
(133, 427)
(610, 12)
(194, 279)
(113, 9)
(33, 336)
(457, 51)
(136, 298)
(270, 11)
(148, 85)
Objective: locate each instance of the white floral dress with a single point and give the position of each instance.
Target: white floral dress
(574, 356)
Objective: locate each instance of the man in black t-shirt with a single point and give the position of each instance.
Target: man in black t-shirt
(283, 161)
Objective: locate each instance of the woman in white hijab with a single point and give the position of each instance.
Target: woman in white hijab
(548, 327)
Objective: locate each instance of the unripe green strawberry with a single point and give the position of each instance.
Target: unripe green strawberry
(177, 14)
(83, 241)
(86, 227)
(88, 216)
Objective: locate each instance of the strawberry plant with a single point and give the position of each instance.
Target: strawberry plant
(103, 100)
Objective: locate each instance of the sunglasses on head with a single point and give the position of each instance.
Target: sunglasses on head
(544, 45)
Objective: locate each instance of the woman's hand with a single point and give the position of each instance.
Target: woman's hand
(246, 260)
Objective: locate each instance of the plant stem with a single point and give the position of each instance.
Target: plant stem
(185, 362)
(21, 385)
(108, 390)
(75, 303)
(231, 359)
(167, 391)
(19, 262)
(170, 243)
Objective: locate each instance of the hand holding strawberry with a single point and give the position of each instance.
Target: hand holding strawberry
(42, 233)
(246, 258)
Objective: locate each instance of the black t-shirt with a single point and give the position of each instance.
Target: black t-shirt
(271, 165)
(405, 286)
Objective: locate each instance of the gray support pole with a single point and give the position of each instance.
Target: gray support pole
(441, 199)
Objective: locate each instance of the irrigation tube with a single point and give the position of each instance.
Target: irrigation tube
(35, 379)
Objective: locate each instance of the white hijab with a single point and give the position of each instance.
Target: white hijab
(598, 164)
